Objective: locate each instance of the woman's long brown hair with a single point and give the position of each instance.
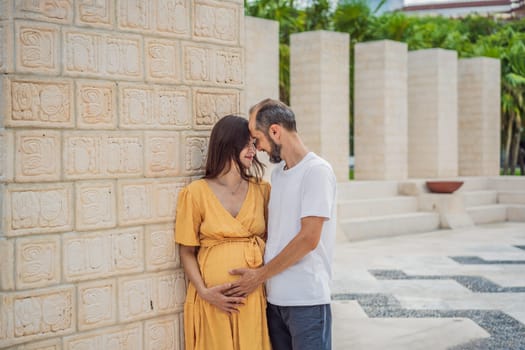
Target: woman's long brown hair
(228, 138)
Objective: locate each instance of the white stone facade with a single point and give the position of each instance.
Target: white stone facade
(105, 114)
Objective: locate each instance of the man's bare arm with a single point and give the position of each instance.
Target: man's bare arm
(303, 243)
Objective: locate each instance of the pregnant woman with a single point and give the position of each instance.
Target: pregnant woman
(221, 225)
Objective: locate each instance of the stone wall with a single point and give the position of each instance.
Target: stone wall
(106, 108)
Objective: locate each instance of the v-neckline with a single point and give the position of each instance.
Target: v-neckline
(222, 205)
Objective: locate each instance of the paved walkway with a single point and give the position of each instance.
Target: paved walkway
(450, 289)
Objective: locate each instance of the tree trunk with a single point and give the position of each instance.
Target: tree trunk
(508, 141)
(515, 149)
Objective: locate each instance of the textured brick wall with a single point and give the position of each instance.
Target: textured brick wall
(105, 112)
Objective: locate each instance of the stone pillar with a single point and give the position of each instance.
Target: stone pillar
(262, 67)
(380, 110)
(432, 114)
(319, 85)
(105, 113)
(479, 116)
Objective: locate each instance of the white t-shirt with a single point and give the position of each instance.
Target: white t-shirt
(307, 189)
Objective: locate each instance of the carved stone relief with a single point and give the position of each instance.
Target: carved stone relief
(153, 107)
(121, 338)
(142, 202)
(96, 13)
(162, 334)
(38, 209)
(97, 304)
(135, 14)
(58, 11)
(39, 103)
(172, 17)
(211, 65)
(211, 105)
(96, 105)
(95, 205)
(162, 60)
(161, 253)
(161, 154)
(6, 155)
(38, 156)
(103, 254)
(38, 262)
(107, 155)
(216, 23)
(37, 48)
(89, 53)
(196, 147)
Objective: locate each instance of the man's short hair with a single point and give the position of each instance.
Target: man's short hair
(269, 112)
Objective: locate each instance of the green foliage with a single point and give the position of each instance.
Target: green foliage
(471, 36)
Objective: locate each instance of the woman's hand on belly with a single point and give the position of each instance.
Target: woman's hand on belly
(215, 296)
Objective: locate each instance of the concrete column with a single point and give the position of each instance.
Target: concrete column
(432, 114)
(479, 116)
(380, 110)
(319, 84)
(261, 44)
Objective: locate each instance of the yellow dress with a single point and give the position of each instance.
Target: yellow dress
(225, 242)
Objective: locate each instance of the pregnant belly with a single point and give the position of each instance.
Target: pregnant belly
(216, 262)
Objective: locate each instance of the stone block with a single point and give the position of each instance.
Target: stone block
(479, 114)
(35, 209)
(95, 205)
(6, 155)
(195, 147)
(60, 11)
(145, 296)
(90, 155)
(163, 61)
(432, 113)
(127, 337)
(50, 344)
(100, 13)
(38, 102)
(97, 304)
(101, 55)
(162, 156)
(7, 263)
(37, 47)
(37, 261)
(212, 104)
(38, 154)
(102, 254)
(205, 64)
(163, 333)
(380, 110)
(154, 107)
(36, 314)
(218, 22)
(6, 45)
(147, 201)
(161, 251)
(96, 104)
(6, 9)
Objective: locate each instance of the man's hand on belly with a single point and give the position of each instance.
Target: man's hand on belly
(217, 297)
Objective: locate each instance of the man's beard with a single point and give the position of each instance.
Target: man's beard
(275, 152)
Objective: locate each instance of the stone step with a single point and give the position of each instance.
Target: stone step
(366, 189)
(511, 197)
(516, 212)
(348, 209)
(474, 183)
(389, 225)
(486, 214)
(507, 183)
(479, 198)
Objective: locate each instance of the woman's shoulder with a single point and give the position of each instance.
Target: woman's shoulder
(262, 185)
(196, 187)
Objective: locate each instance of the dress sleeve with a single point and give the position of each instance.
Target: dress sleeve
(187, 220)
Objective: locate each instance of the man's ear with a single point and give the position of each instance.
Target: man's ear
(275, 131)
